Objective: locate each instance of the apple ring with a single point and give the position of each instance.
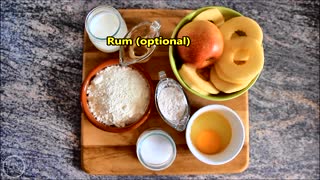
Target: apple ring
(211, 14)
(222, 76)
(241, 55)
(250, 27)
(194, 81)
(225, 86)
(243, 71)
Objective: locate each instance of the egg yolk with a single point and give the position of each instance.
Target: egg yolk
(208, 142)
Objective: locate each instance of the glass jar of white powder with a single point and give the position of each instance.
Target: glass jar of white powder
(172, 103)
(156, 150)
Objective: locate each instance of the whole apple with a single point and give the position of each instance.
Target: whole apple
(206, 44)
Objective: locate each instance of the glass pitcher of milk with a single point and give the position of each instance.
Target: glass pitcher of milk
(104, 21)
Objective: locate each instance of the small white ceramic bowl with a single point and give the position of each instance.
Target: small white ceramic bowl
(236, 142)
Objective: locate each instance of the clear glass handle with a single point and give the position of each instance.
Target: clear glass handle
(155, 26)
(162, 75)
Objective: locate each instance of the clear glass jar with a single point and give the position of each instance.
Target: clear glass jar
(104, 21)
(156, 150)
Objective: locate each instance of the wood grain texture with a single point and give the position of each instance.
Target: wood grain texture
(113, 153)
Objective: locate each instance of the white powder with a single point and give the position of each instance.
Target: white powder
(171, 102)
(156, 149)
(118, 96)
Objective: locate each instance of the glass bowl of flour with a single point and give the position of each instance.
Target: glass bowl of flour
(172, 103)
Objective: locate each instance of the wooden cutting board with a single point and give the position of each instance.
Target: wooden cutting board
(115, 154)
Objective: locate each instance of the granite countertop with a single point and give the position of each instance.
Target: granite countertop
(41, 67)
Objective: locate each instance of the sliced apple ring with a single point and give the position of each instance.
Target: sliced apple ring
(194, 81)
(194, 87)
(222, 76)
(250, 27)
(235, 72)
(225, 86)
(241, 55)
(212, 14)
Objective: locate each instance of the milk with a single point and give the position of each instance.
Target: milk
(105, 21)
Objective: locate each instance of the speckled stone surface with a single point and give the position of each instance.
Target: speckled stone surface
(41, 66)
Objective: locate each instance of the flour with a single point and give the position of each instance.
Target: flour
(118, 96)
(171, 102)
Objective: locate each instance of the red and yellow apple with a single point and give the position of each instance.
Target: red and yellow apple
(206, 44)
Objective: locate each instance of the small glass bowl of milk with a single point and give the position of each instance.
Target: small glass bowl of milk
(156, 150)
(104, 21)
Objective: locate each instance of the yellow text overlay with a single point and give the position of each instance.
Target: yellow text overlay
(139, 41)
